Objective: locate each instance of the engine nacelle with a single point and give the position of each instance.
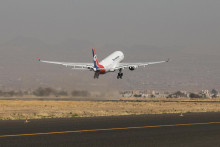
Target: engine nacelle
(131, 68)
(112, 70)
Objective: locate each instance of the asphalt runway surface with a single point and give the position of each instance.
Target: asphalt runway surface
(191, 129)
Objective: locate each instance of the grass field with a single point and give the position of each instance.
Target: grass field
(17, 109)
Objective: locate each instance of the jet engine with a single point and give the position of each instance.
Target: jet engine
(131, 67)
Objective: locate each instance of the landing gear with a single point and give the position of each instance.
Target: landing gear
(120, 74)
(96, 75)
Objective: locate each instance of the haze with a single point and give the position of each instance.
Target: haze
(185, 31)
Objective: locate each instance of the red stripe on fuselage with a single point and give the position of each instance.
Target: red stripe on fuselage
(102, 68)
(99, 65)
(102, 71)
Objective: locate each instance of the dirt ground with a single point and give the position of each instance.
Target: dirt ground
(18, 109)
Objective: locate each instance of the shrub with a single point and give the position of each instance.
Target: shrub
(80, 93)
(193, 95)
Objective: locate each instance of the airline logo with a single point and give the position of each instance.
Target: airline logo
(95, 62)
(115, 58)
(95, 58)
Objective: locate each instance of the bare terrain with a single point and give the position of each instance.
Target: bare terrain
(20, 109)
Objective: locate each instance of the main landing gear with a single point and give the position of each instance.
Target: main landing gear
(96, 74)
(120, 74)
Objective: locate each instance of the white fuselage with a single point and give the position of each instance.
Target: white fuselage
(111, 61)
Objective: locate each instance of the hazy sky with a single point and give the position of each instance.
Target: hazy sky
(187, 31)
(162, 23)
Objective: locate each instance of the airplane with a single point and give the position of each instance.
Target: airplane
(111, 63)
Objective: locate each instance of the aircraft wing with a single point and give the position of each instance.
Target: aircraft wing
(80, 66)
(136, 65)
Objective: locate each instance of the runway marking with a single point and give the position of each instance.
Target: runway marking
(108, 129)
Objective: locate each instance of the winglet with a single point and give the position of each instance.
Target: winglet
(38, 59)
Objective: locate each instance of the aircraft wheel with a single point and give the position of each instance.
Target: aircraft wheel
(121, 75)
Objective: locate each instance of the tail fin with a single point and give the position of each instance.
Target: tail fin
(95, 60)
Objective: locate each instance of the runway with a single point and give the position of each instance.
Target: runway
(191, 129)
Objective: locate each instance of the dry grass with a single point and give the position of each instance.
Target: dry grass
(56, 109)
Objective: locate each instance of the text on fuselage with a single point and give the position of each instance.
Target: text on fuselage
(115, 58)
